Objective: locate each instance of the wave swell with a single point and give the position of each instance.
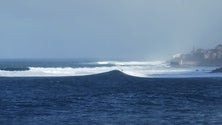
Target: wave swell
(156, 69)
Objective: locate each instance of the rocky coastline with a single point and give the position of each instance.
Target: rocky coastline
(199, 57)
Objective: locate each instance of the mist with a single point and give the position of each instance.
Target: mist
(117, 29)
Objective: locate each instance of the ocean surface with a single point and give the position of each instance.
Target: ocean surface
(91, 92)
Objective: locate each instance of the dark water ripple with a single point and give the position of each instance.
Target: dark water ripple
(110, 99)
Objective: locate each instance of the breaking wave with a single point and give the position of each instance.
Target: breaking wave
(156, 69)
(130, 63)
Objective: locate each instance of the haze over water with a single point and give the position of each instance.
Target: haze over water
(108, 30)
(103, 62)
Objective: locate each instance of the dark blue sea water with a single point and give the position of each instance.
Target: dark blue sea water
(111, 98)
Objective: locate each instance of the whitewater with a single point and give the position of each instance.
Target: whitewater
(37, 93)
(147, 69)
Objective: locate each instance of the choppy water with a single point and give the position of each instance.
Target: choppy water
(111, 98)
(82, 92)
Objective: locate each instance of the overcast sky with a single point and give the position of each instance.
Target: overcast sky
(107, 29)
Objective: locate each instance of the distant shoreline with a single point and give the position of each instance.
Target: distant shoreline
(199, 57)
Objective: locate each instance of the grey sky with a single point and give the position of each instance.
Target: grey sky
(107, 29)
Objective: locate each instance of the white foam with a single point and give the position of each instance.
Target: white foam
(157, 69)
(130, 63)
(67, 71)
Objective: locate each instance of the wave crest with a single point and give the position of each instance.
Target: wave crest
(156, 69)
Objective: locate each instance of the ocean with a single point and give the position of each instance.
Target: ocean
(92, 92)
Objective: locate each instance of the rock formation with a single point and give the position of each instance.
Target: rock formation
(199, 57)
